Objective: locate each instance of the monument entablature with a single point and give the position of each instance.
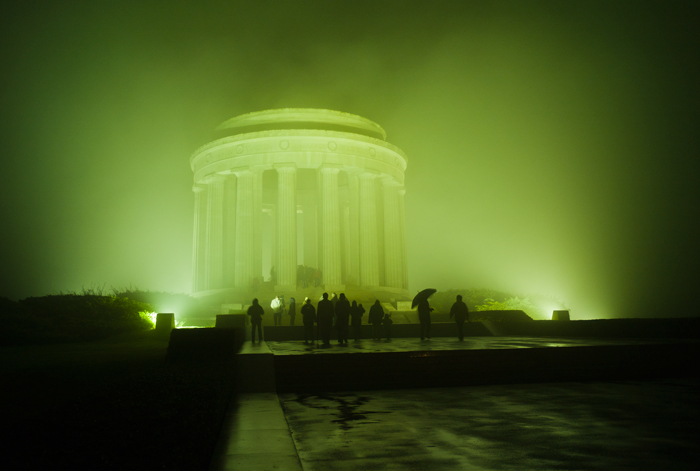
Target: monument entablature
(306, 149)
(273, 197)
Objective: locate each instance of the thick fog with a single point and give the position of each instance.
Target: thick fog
(552, 146)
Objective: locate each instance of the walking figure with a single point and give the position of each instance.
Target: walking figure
(292, 310)
(255, 311)
(342, 315)
(277, 306)
(325, 320)
(376, 315)
(387, 325)
(356, 313)
(460, 311)
(308, 314)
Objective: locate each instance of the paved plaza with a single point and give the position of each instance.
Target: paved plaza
(653, 425)
(602, 425)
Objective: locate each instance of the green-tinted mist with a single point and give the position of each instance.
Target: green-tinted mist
(552, 145)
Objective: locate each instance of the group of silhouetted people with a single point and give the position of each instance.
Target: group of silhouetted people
(339, 312)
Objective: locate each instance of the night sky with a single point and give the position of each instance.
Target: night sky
(552, 146)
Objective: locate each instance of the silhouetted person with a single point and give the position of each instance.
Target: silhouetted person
(292, 310)
(325, 320)
(256, 283)
(255, 311)
(387, 325)
(460, 311)
(273, 276)
(356, 313)
(376, 315)
(424, 311)
(308, 314)
(342, 316)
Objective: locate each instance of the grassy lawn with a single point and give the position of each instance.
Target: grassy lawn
(110, 404)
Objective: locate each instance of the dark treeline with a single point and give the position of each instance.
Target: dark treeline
(70, 317)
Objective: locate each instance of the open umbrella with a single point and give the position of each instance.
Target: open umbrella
(422, 296)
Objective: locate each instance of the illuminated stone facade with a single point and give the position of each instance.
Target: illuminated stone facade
(284, 188)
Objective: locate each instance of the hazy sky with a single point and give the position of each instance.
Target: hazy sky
(553, 146)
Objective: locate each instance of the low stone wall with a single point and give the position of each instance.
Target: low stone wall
(447, 368)
(674, 328)
(206, 344)
(678, 328)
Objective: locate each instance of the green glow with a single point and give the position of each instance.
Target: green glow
(149, 316)
(552, 144)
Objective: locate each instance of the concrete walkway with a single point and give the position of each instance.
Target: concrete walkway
(255, 437)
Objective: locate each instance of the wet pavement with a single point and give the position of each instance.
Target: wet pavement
(440, 344)
(651, 425)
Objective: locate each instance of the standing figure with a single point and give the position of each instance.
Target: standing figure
(460, 311)
(276, 306)
(424, 311)
(356, 313)
(342, 316)
(292, 310)
(325, 320)
(376, 314)
(255, 311)
(387, 325)
(334, 299)
(308, 314)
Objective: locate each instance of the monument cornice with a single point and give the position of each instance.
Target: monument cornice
(243, 138)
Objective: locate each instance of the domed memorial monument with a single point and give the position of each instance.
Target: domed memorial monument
(295, 198)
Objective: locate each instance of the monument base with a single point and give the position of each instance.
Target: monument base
(334, 289)
(285, 288)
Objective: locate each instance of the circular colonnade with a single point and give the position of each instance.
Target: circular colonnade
(280, 189)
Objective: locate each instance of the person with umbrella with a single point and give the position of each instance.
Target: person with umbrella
(376, 315)
(424, 310)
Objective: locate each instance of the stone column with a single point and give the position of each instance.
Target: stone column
(245, 230)
(331, 229)
(369, 263)
(353, 266)
(286, 229)
(310, 234)
(199, 237)
(230, 231)
(257, 222)
(393, 258)
(214, 252)
(402, 226)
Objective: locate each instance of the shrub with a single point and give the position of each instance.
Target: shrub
(71, 317)
(183, 305)
(483, 299)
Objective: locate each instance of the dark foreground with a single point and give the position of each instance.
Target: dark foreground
(653, 425)
(114, 404)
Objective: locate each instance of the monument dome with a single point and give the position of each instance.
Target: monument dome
(281, 194)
